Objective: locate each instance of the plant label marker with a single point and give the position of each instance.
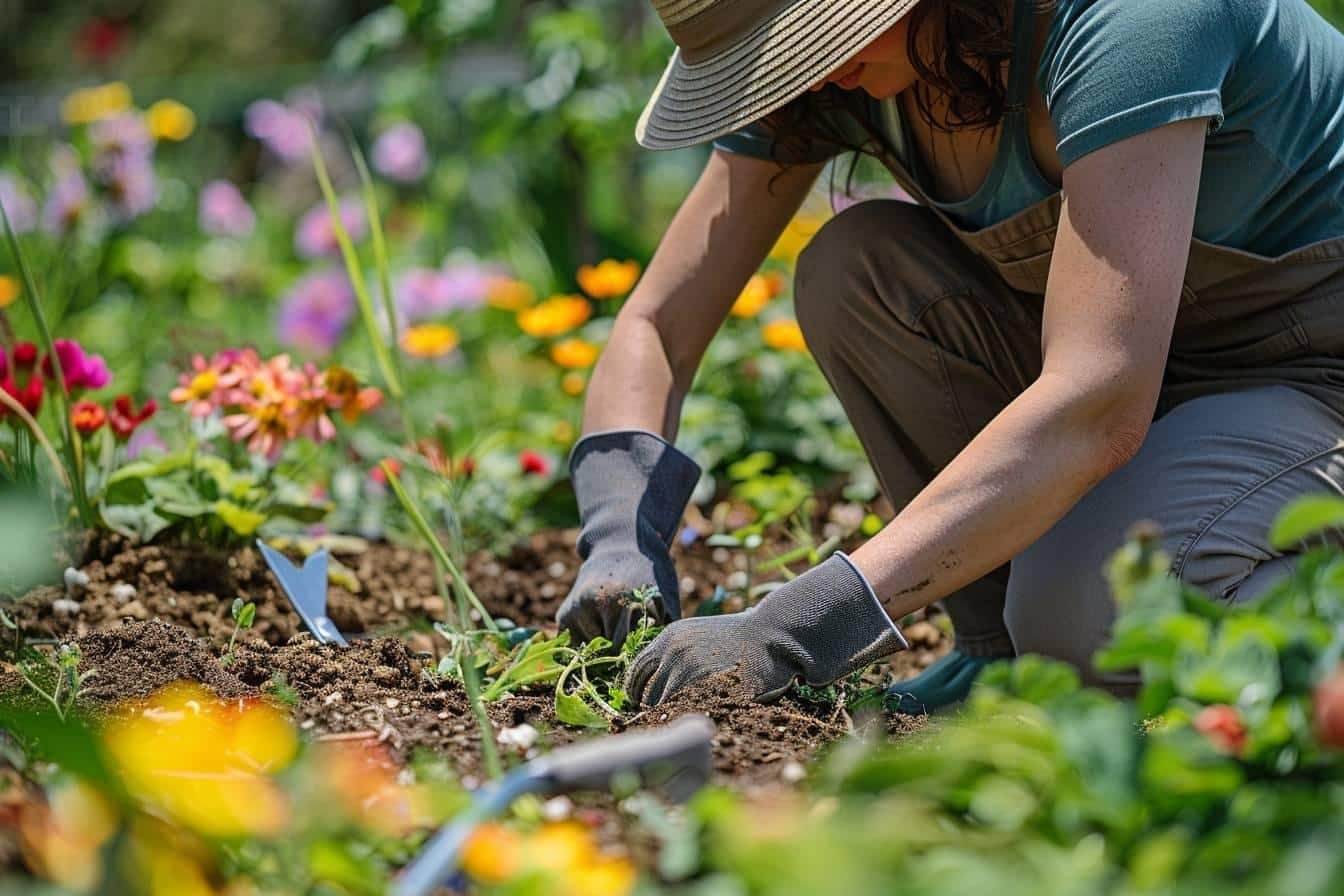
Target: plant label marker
(306, 588)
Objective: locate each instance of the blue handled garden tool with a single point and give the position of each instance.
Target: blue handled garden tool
(306, 588)
(675, 759)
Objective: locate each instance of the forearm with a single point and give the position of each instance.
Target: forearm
(1014, 481)
(634, 385)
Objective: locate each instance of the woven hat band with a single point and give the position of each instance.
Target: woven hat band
(704, 29)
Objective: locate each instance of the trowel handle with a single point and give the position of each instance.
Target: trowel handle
(676, 758)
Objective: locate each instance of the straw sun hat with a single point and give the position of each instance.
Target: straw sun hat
(738, 60)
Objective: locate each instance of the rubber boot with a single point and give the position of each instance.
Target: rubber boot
(945, 683)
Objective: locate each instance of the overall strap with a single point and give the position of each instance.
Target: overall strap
(1020, 73)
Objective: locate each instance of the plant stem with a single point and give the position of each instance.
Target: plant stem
(8, 401)
(436, 548)
(355, 271)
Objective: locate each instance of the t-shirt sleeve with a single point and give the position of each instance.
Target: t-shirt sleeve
(1114, 69)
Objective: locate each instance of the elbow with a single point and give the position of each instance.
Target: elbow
(1109, 426)
(1118, 442)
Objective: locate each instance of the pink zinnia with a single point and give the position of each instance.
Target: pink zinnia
(316, 236)
(399, 153)
(224, 212)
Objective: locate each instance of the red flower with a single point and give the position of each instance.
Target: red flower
(101, 40)
(88, 417)
(466, 467)
(28, 395)
(1223, 727)
(378, 475)
(25, 355)
(534, 464)
(125, 419)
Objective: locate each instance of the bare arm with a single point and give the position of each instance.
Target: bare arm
(716, 241)
(1110, 307)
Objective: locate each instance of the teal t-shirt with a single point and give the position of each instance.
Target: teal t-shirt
(1268, 74)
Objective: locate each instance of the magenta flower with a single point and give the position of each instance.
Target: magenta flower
(82, 371)
(285, 128)
(224, 212)
(316, 237)
(457, 286)
(316, 312)
(399, 153)
(18, 203)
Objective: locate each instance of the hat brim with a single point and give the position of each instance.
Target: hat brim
(776, 63)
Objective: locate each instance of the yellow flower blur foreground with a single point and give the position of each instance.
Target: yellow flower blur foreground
(510, 294)
(575, 354)
(573, 383)
(91, 104)
(554, 317)
(796, 236)
(610, 279)
(62, 838)
(565, 854)
(430, 340)
(784, 335)
(170, 120)
(9, 291)
(205, 762)
(760, 289)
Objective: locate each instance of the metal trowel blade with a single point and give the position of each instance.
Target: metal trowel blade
(306, 588)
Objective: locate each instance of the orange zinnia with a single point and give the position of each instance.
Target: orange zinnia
(760, 289)
(429, 340)
(554, 317)
(784, 335)
(575, 354)
(610, 279)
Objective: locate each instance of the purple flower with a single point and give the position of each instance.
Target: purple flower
(285, 129)
(316, 237)
(224, 211)
(67, 203)
(122, 135)
(18, 203)
(145, 441)
(457, 286)
(316, 312)
(399, 153)
(132, 186)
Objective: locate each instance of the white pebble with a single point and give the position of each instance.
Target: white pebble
(793, 772)
(308, 724)
(688, 585)
(557, 808)
(65, 607)
(556, 570)
(492, 569)
(549, 591)
(524, 737)
(391, 702)
(333, 697)
(75, 580)
(737, 581)
(122, 592)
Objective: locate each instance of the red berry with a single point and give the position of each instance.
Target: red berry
(1223, 727)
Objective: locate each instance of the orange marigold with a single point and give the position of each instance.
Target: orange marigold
(784, 335)
(430, 340)
(554, 317)
(575, 354)
(610, 279)
(760, 289)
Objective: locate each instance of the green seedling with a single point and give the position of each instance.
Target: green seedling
(244, 615)
(58, 680)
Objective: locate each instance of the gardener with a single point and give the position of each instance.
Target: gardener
(1119, 297)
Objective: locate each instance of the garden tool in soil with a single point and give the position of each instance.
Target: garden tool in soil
(306, 588)
(818, 628)
(632, 488)
(674, 759)
(944, 684)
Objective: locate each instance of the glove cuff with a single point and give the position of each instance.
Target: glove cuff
(631, 478)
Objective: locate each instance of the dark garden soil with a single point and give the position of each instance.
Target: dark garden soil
(175, 623)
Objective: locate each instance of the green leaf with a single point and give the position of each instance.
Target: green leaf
(300, 513)
(751, 466)
(574, 710)
(140, 521)
(246, 616)
(241, 520)
(1306, 517)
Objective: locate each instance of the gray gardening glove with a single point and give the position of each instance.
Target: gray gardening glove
(632, 488)
(820, 627)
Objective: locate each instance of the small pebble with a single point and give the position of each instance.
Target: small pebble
(492, 569)
(63, 606)
(524, 737)
(557, 570)
(738, 580)
(135, 610)
(75, 581)
(549, 590)
(442, 716)
(557, 808)
(721, 556)
(333, 697)
(122, 592)
(391, 702)
(688, 585)
(434, 606)
(793, 772)
(308, 724)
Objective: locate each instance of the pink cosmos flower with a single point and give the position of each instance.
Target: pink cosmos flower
(399, 153)
(457, 286)
(316, 237)
(66, 205)
(224, 212)
(316, 312)
(285, 128)
(18, 203)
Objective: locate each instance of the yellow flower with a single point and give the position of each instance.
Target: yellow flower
(563, 432)
(760, 289)
(609, 279)
(204, 762)
(429, 340)
(575, 354)
(603, 877)
(492, 855)
(784, 335)
(9, 291)
(510, 294)
(796, 236)
(554, 317)
(91, 104)
(573, 383)
(170, 120)
(62, 840)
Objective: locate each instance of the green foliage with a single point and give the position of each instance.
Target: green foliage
(244, 614)
(202, 498)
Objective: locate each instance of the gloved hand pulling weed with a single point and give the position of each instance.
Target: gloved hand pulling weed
(632, 488)
(819, 628)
